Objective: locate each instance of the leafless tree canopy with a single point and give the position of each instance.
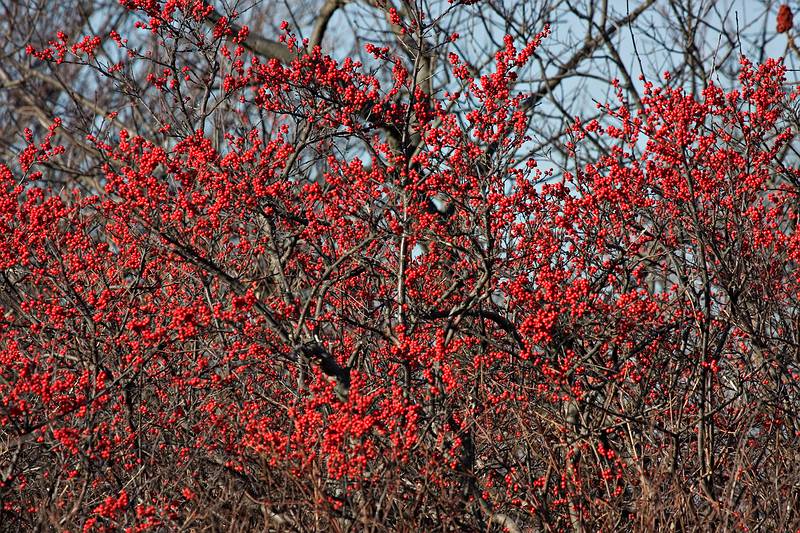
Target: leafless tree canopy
(593, 42)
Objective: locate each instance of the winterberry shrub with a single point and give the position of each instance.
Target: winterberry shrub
(328, 299)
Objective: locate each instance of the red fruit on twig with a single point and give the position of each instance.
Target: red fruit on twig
(784, 19)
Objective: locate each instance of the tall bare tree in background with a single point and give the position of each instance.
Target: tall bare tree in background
(593, 42)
